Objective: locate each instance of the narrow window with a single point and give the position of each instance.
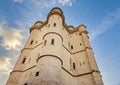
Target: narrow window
(80, 64)
(73, 65)
(52, 42)
(31, 42)
(54, 24)
(25, 83)
(80, 44)
(45, 42)
(71, 46)
(23, 60)
(37, 74)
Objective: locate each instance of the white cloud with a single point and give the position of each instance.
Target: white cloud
(48, 3)
(106, 24)
(5, 69)
(11, 37)
(18, 1)
(5, 65)
(66, 2)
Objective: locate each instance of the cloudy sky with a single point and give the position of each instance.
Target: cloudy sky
(102, 18)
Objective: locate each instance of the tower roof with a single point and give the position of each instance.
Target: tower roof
(56, 10)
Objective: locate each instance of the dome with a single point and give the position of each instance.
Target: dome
(38, 24)
(82, 27)
(56, 10)
(70, 27)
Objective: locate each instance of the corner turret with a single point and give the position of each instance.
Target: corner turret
(37, 25)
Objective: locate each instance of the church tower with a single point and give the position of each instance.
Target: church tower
(56, 54)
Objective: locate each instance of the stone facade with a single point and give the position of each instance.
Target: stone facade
(56, 54)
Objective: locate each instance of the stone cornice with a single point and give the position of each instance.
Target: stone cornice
(22, 70)
(31, 48)
(77, 51)
(72, 74)
(77, 75)
(62, 45)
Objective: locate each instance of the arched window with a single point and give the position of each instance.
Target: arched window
(25, 83)
(54, 24)
(37, 73)
(31, 42)
(52, 42)
(24, 59)
(73, 65)
(71, 46)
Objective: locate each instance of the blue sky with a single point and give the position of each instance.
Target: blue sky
(102, 19)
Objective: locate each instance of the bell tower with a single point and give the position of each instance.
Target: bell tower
(56, 54)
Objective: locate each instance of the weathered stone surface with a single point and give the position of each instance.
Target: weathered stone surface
(56, 54)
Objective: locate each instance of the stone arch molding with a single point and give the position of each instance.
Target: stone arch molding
(53, 33)
(50, 56)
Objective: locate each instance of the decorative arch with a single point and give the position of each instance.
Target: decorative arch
(50, 56)
(53, 33)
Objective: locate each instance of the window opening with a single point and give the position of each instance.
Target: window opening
(31, 42)
(83, 62)
(71, 46)
(37, 74)
(25, 84)
(54, 24)
(73, 65)
(52, 42)
(24, 60)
